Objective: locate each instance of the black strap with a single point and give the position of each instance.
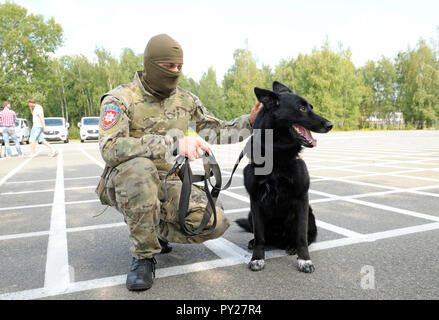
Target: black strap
(211, 168)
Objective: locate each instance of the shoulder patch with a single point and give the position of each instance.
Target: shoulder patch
(110, 117)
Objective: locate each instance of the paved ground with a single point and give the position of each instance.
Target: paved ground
(375, 195)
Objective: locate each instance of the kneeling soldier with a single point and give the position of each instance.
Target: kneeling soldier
(134, 121)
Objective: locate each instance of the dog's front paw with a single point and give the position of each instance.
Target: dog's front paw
(256, 265)
(306, 266)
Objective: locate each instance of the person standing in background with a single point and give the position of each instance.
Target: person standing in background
(38, 129)
(7, 120)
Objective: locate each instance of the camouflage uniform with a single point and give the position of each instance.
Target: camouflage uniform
(134, 146)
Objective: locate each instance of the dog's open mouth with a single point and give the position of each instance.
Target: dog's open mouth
(306, 138)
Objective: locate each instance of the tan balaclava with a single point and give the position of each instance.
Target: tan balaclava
(159, 81)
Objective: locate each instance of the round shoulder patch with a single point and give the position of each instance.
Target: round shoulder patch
(111, 115)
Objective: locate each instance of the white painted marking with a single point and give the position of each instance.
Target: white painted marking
(339, 230)
(48, 205)
(81, 202)
(57, 279)
(321, 178)
(402, 231)
(43, 191)
(392, 209)
(237, 210)
(226, 249)
(26, 207)
(24, 235)
(236, 196)
(92, 159)
(119, 280)
(51, 180)
(26, 192)
(69, 230)
(15, 170)
(379, 206)
(235, 188)
(208, 265)
(97, 227)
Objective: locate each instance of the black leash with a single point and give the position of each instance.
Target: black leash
(211, 168)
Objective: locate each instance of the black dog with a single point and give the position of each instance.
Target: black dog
(280, 214)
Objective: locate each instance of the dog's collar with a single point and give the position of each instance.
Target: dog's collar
(298, 157)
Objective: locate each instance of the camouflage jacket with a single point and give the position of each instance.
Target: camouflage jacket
(134, 123)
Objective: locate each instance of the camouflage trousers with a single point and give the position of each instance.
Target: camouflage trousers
(133, 187)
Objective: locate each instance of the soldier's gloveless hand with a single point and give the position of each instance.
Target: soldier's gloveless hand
(254, 112)
(192, 147)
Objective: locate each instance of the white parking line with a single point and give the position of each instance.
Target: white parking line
(15, 170)
(336, 229)
(48, 205)
(232, 254)
(92, 159)
(212, 264)
(56, 278)
(69, 230)
(43, 191)
(120, 280)
(225, 249)
(51, 180)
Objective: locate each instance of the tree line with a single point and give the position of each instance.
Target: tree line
(71, 86)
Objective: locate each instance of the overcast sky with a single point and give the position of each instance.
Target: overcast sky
(210, 31)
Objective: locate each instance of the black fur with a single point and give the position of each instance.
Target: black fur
(280, 214)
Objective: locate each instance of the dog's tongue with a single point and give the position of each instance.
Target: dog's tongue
(307, 135)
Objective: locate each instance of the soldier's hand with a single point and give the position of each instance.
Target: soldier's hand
(192, 147)
(256, 108)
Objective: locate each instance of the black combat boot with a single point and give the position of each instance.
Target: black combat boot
(140, 276)
(166, 248)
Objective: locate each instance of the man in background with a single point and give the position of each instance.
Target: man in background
(7, 121)
(38, 129)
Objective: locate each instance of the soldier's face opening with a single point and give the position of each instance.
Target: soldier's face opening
(175, 67)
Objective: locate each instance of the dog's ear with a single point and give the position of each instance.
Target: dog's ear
(267, 97)
(280, 88)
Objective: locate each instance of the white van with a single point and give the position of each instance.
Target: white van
(58, 129)
(89, 128)
(22, 131)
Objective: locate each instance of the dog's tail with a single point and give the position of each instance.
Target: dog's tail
(246, 224)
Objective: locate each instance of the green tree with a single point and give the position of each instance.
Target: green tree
(211, 94)
(329, 81)
(380, 78)
(129, 64)
(418, 85)
(239, 83)
(188, 84)
(26, 41)
(109, 69)
(367, 105)
(268, 75)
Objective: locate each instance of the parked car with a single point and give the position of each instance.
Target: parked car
(89, 128)
(21, 130)
(58, 129)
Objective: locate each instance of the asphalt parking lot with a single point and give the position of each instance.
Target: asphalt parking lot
(375, 196)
